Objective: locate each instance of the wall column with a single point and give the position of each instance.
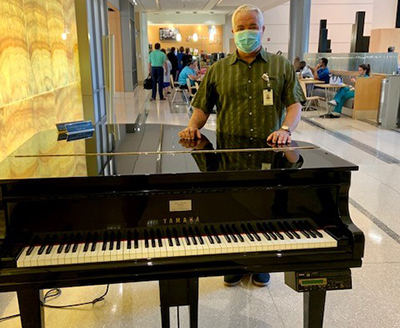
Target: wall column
(300, 12)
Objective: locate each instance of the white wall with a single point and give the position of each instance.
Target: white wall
(227, 33)
(340, 15)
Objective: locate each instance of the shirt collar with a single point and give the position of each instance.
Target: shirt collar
(261, 54)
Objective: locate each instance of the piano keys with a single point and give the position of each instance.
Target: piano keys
(176, 242)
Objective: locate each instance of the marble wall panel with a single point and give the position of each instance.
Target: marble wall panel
(58, 46)
(45, 113)
(68, 103)
(16, 76)
(72, 40)
(19, 124)
(2, 136)
(38, 43)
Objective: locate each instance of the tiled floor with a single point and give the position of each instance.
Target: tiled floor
(374, 301)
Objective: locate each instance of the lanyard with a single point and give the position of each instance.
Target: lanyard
(265, 77)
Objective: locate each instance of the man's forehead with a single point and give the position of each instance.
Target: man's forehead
(246, 18)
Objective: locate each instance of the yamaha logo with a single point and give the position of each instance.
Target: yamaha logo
(184, 220)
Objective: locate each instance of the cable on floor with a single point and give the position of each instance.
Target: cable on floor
(56, 292)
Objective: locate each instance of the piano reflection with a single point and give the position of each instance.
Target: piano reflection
(133, 203)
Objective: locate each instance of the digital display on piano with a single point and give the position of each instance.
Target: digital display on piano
(136, 149)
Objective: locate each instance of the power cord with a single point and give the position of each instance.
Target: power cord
(56, 292)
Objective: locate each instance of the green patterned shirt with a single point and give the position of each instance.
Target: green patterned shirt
(236, 89)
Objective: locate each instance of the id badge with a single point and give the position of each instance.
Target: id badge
(268, 97)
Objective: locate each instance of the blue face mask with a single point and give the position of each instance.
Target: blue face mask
(248, 41)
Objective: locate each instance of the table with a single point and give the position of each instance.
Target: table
(310, 85)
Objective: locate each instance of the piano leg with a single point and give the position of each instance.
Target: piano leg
(314, 304)
(179, 292)
(31, 311)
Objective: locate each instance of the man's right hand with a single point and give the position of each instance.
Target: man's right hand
(190, 133)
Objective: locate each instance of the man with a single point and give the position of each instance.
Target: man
(174, 61)
(157, 64)
(240, 86)
(391, 49)
(321, 71)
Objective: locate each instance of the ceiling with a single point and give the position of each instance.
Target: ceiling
(203, 6)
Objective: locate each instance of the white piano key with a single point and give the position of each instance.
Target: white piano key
(48, 258)
(21, 258)
(35, 256)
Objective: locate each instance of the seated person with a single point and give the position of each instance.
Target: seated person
(321, 71)
(188, 72)
(305, 72)
(346, 93)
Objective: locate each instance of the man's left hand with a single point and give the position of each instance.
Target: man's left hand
(280, 137)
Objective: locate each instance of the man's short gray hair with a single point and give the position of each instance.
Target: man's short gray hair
(248, 9)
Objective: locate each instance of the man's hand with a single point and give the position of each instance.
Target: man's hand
(353, 79)
(190, 133)
(280, 137)
(197, 144)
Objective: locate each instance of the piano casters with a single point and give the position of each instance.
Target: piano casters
(314, 285)
(30, 308)
(179, 293)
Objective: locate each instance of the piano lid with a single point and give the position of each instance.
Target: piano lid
(133, 149)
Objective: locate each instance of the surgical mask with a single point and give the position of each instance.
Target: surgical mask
(248, 40)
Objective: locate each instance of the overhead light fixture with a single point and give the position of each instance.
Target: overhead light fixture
(179, 37)
(64, 36)
(195, 37)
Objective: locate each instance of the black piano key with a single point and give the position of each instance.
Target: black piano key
(285, 231)
(268, 230)
(311, 228)
(214, 231)
(251, 229)
(246, 231)
(303, 232)
(153, 238)
(146, 239)
(119, 237)
(275, 231)
(176, 236)
(170, 243)
(289, 228)
(209, 236)
(262, 230)
(105, 241)
(159, 238)
(49, 248)
(136, 239)
(231, 233)
(94, 244)
(112, 241)
(129, 240)
(88, 239)
(237, 232)
(192, 236)
(77, 241)
(186, 236)
(225, 234)
(70, 242)
(197, 230)
(304, 227)
(30, 250)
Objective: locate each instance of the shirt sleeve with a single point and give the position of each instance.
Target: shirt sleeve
(292, 90)
(323, 74)
(206, 97)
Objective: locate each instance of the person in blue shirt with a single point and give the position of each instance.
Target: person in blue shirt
(321, 71)
(364, 70)
(188, 72)
(181, 58)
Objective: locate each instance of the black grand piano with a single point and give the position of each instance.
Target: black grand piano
(135, 203)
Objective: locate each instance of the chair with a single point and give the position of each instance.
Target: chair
(177, 90)
(309, 99)
(174, 84)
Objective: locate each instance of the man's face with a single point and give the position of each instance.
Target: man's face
(247, 21)
(321, 63)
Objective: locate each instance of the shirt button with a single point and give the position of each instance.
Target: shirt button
(249, 81)
(250, 113)
(250, 97)
(251, 138)
(249, 66)
(251, 130)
